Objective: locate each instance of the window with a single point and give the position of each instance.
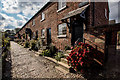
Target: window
(106, 13)
(62, 29)
(61, 4)
(43, 33)
(33, 23)
(42, 17)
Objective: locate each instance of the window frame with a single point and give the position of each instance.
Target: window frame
(42, 16)
(61, 33)
(33, 22)
(106, 16)
(42, 32)
(61, 5)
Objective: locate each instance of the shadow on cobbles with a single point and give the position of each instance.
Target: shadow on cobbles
(6, 65)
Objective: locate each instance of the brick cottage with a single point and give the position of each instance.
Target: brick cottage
(62, 23)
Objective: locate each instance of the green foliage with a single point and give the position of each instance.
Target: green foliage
(6, 41)
(67, 48)
(46, 52)
(58, 56)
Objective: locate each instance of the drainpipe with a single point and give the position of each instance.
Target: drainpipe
(93, 12)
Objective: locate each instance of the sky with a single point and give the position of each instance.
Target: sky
(15, 13)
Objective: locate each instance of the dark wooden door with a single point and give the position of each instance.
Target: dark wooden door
(108, 38)
(48, 36)
(77, 31)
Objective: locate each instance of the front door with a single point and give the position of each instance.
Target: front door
(108, 38)
(48, 36)
(77, 31)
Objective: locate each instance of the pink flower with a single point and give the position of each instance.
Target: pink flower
(79, 54)
(71, 47)
(81, 63)
(75, 67)
(75, 42)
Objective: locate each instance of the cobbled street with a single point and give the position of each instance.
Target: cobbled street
(26, 65)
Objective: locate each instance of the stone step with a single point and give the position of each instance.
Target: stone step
(64, 60)
(64, 66)
(66, 55)
(61, 69)
(68, 51)
(59, 64)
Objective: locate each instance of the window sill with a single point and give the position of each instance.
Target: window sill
(43, 37)
(33, 25)
(61, 9)
(42, 20)
(62, 36)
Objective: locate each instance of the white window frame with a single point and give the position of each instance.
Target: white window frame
(33, 22)
(106, 13)
(60, 32)
(61, 5)
(42, 16)
(42, 32)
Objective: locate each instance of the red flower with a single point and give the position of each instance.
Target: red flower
(79, 54)
(91, 48)
(77, 64)
(80, 58)
(83, 54)
(87, 51)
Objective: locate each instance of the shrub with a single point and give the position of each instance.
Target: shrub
(33, 43)
(67, 48)
(81, 56)
(58, 56)
(46, 52)
(52, 50)
(27, 44)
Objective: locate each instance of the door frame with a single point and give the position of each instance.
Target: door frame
(48, 40)
(78, 23)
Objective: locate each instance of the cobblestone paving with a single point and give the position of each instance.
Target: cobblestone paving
(26, 65)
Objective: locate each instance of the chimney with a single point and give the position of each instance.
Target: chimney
(112, 22)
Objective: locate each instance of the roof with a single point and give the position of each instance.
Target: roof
(75, 12)
(35, 14)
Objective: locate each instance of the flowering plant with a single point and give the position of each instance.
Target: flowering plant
(81, 56)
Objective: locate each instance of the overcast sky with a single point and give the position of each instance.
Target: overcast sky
(14, 14)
